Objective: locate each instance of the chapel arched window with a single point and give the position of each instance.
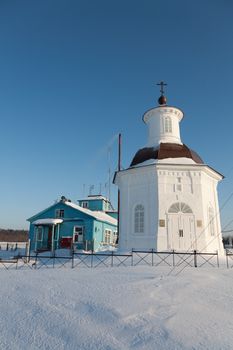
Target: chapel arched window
(168, 124)
(139, 218)
(179, 207)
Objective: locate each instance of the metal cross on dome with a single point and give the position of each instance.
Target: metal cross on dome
(162, 84)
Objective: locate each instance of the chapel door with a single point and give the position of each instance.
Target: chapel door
(186, 232)
(181, 228)
(173, 229)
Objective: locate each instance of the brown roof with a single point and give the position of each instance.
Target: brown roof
(165, 150)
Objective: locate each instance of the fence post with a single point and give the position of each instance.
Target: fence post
(195, 258)
(28, 250)
(217, 259)
(152, 257)
(36, 260)
(112, 260)
(72, 261)
(173, 258)
(227, 259)
(92, 258)
(53, 259)
(132, 257)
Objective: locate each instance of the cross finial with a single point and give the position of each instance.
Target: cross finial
(162, 84)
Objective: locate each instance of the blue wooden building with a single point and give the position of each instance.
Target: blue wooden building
(88, 225)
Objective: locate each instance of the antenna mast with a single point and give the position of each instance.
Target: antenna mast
(109, 174)
(118, 194)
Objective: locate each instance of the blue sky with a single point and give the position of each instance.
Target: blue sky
(73, 74)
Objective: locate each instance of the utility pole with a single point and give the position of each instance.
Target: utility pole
(118, 196)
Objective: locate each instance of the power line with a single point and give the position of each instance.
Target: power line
(204, 247)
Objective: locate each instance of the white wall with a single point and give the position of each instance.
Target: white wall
(154, 187)
(155, 119)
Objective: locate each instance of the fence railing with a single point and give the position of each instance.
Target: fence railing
(173, 258)
(75, 259)
(229, 258)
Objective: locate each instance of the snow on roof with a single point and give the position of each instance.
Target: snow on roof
(47, 222)
(99, 215)
(91, 198)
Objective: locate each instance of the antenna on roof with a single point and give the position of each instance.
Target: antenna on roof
(91, 188)
(109, 174)
(84, 187)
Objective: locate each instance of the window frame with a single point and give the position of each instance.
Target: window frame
(114, 237)
(139, 219)
(167, 124)
(85, 204)
(180, 207)
(39, 233)
(78, 234)
(58, 213)
(107, 236)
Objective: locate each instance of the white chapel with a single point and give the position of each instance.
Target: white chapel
(168, 195)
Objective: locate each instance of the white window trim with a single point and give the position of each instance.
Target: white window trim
(56, 233)
(37, 233)
(168, 124)
(75, 233)
(108, 235)
(139, 228)
(180, 207)
(114, 238)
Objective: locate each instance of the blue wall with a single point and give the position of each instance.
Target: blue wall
(96, 204)
(93, 229)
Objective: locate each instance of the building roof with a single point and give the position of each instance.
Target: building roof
(99, 215)
(94, 197)
(165, 150)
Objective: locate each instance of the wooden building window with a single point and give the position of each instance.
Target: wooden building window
(115, 236)
(85, 204)
(59, 213)
(107, 236)
(78, 234)
(39, 233)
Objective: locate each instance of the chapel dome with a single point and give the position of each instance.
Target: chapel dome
(163, 151)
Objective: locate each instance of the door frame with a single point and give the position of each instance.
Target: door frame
(173, 243)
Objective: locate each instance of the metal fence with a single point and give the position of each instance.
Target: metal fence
(76, 260)
(229, 258)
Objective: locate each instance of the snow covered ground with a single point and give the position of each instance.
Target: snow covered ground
(121, 308)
